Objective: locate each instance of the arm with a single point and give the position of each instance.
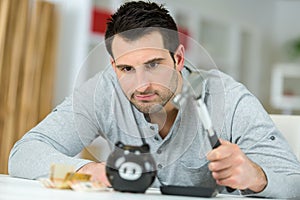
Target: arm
(257, 160)
(54, 140)
(58, 138)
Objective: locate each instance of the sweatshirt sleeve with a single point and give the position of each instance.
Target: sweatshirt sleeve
(58, 138)
(255, 133)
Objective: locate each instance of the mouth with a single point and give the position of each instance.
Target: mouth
(145, 97)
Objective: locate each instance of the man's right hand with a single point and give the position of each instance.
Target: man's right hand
(97, 172)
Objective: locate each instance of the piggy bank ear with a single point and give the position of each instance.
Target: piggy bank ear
(119, 162)
(119, 144)
(149, 167)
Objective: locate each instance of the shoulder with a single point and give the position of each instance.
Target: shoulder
(221, 82)
(222, 85)
(231, 102)
(93, 97)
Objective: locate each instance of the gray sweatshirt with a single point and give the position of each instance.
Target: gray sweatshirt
(99, 108)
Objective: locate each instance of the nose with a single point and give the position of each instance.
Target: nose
(142, 81)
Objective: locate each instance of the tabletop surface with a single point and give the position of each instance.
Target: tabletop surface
(16, 188)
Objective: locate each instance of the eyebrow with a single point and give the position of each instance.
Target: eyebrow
(154, 60)
(145, 63)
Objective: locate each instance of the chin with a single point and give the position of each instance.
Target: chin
(148, 109)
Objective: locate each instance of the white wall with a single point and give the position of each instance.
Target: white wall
(244, 12)
(286, 29)
(73, 38)
(286, 25)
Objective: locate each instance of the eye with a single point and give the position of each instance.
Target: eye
(126, 69)
(152, 65)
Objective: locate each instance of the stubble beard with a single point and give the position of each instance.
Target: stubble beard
(163, 97)
(148, 107)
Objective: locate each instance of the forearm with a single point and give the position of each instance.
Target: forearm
(278, 186)
(32, 160)
(260, 179)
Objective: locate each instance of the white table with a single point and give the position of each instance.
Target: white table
(16, 188)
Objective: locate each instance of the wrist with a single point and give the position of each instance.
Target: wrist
(260, 182)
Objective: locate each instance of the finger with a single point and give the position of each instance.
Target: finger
(222, 141)
(220, 164)
(101, 178)
(215, 154)
(106, 182)
(229, 182)
(104, 178)
(222, 152)
(222, 174)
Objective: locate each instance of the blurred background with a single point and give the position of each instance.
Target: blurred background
(44, 43)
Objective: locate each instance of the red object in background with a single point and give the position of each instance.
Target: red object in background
(99, 19)
(183, 36)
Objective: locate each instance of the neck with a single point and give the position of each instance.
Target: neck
(164, 119)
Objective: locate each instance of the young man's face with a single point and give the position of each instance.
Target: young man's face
(146, 71)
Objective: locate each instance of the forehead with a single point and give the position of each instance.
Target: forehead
(151, 41)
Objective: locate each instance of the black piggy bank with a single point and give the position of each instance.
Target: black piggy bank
(130, 168)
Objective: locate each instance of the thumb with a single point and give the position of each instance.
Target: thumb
(222, 141)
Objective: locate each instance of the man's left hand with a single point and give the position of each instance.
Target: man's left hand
(232, 168)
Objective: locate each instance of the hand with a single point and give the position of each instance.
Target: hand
(97, 172)
(232, 168)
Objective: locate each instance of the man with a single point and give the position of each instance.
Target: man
(135, 96)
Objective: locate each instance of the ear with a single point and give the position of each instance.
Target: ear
(179, 57)
(113, 63)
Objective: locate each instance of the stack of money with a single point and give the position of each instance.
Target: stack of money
(65, 177)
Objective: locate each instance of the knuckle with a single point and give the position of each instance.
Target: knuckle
(218, 155)
(235, 148)
(240, 160)
(233, 182)
(212, 166)
(215, 175)
(238, 171)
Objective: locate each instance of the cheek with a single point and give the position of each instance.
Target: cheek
(128, 84)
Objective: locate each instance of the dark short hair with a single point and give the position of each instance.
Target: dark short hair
(137, 18)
